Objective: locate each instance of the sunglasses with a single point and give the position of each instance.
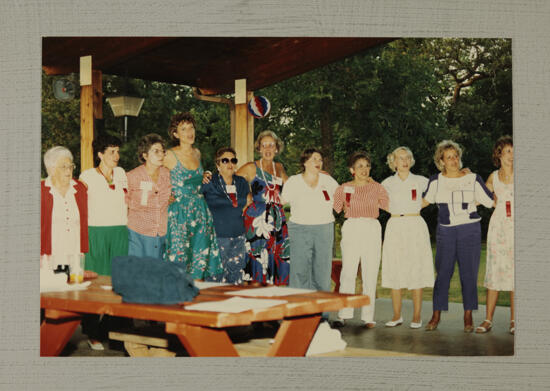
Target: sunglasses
(226, 160)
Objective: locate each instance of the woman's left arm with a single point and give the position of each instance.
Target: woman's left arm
(482, 194)
(282, 172)
(383, 199)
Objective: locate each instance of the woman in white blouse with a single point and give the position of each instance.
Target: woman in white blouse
(407, 260)
(63, 212)
(107, 218)
(311, 225)
(456, 194)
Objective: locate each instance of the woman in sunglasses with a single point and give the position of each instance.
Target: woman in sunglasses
(264, 219)
(226, 195)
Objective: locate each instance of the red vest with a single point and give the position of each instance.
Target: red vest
(46, 208)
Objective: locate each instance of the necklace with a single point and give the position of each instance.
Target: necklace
(263, 174)
(233, 199)
(109, 183)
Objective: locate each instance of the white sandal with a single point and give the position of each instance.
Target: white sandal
(483, 330)
(512, 327)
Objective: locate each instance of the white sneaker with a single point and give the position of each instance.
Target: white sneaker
(95, 345)
(393, 323)
(416, 325)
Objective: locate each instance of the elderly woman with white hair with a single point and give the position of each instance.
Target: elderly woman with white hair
(63, 210)
(406, 253)
(456, 194)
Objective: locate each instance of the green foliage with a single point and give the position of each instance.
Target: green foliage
(401, 93)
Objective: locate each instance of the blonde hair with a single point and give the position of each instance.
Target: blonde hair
(52, 156)
(266, 133)
(391, 157)
(440, 150)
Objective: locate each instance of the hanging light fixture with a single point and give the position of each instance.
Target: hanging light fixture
(125, 106)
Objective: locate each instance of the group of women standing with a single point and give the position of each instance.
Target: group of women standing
(230, 226)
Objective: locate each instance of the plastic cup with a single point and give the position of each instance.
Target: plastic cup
(76, 274)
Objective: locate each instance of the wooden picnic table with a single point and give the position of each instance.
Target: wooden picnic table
(201, 332)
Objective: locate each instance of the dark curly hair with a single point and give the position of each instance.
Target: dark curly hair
(176, 120)
(101, 143)
(146, 143)
(222, 150)
(358, 155)
(306, 155)
(499, 146)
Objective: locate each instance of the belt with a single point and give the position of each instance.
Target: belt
(406, 214)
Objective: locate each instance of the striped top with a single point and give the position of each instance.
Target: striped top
(364, 200)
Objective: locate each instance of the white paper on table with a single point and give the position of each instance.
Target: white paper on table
(270, 291)
(208, 284)
(234, 305)
(51, 282)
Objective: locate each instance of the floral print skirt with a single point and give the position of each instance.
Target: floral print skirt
(268, 255)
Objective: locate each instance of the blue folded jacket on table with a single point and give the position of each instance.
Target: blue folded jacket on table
(148, 280)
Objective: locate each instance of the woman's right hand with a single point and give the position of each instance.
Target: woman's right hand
(206, 177)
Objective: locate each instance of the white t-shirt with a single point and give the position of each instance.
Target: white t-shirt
(106, 206)
(309, 206)
(456, 198)
(405, 195)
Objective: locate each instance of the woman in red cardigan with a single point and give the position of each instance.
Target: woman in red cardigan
(63, 211)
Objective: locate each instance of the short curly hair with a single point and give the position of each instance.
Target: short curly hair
(222, 150)
(358, 155)
(101, 143)
(306, 155)
(145, 144)
(266, 133)
(52, 156)
(440, 150)
(176, 120)
(499, 146)
(391, 157)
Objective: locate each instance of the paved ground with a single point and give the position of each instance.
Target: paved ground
(449, 339)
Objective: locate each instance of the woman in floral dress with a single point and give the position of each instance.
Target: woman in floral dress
(190, 237)
(264, 219)
(499, 274)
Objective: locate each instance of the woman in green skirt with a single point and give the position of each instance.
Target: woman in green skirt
(107, 218)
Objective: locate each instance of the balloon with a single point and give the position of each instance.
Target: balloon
(259, 106)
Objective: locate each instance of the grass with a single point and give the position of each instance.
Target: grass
(455, 292)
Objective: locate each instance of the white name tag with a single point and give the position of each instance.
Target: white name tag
(277, 180)
(145, 187)
(349, 189)
(230, 189)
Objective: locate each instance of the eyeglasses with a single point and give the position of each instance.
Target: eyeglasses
(67, 167)
(226, 160)
(268, 145)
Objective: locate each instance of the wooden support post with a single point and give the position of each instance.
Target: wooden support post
(91, 107)
(242, 136)
(294, 336)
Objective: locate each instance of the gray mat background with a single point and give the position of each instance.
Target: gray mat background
(24, 22)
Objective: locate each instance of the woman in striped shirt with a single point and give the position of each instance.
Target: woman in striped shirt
(361, 241)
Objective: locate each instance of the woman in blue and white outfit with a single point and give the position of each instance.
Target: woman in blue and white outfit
(407, 260)
(456, 194)
(226, 196)
(311, 225)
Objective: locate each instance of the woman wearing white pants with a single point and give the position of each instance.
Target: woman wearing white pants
(361, 241)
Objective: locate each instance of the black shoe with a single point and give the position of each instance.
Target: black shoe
(338, 323)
